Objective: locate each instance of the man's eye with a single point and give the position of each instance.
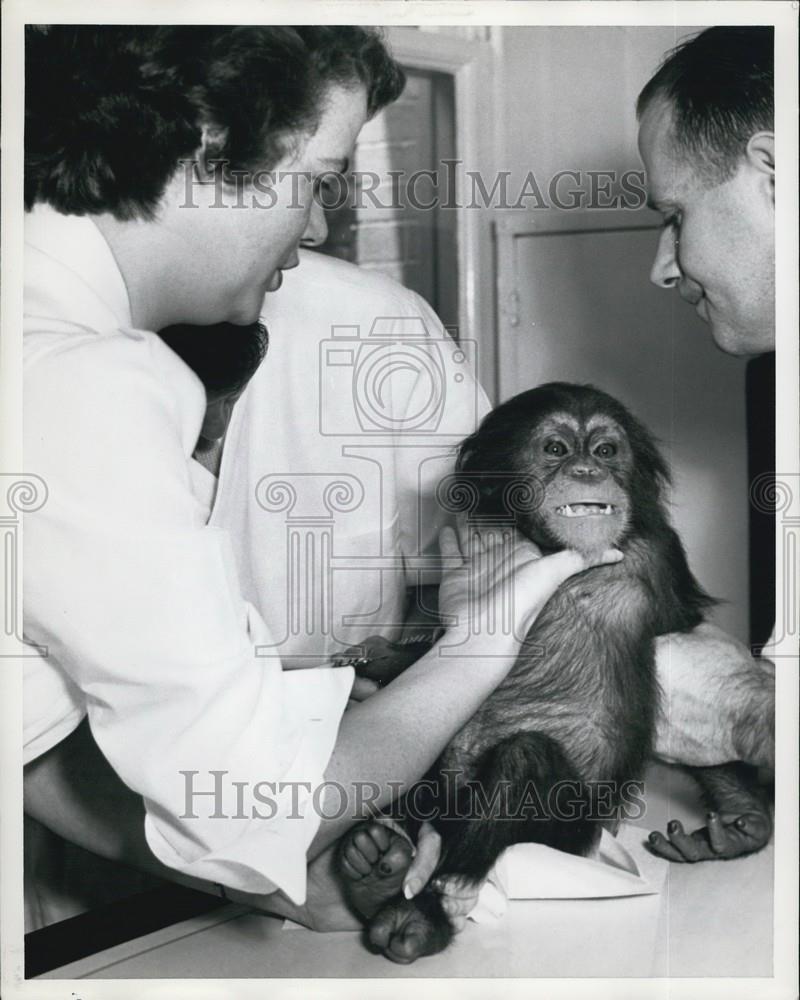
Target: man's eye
(672, 222)
(557, 448)
(606, 450)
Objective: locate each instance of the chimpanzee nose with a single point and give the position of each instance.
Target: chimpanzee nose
(586, 470)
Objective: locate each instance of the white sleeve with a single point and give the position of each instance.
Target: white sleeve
(138, 602)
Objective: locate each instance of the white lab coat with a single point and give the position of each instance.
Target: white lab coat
(172, 638)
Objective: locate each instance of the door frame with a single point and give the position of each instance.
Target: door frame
(508, 230)
(468, 62)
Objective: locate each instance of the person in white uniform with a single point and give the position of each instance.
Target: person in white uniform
(247, 772)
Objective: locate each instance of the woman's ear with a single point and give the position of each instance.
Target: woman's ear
(760, 155)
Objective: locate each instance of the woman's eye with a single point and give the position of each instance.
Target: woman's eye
(557, 448)
(329, 186)
(606, 450)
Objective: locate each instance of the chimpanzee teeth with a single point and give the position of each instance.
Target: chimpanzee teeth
(584, 509)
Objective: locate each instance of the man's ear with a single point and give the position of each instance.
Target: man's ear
(760, 155)
(212, 143)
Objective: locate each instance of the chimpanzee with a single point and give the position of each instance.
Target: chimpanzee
(579, 707)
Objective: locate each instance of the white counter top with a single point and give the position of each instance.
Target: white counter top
(712, 919)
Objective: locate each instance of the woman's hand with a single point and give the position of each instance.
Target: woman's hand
(496, 582)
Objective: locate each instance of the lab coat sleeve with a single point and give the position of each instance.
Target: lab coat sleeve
(138, 602)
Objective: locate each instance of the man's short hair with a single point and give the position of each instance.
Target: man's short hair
(224, 356)
(110, 111)
(720, 87)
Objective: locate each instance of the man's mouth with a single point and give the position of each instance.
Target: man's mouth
(695, 296)
(589, 508)
(690, 291)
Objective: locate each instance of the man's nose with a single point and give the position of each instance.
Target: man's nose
(665, 271)
(316, 232)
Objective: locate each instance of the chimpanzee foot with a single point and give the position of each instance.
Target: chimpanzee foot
(728, 835)
(373, 860)
(407, 929)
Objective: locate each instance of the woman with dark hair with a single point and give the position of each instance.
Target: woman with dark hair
(170, 178)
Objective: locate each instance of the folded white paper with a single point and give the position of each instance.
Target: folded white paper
(533, 871)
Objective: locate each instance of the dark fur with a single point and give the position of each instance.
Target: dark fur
(580, 703)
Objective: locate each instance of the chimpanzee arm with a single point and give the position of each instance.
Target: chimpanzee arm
(380, 660)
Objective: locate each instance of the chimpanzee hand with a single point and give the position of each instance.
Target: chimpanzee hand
(377, 662)
(727, 836)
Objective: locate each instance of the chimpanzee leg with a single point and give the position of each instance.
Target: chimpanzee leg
(507, 801)
(516, 797)
(408, 929)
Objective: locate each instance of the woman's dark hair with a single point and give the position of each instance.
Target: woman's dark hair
(110, 111)
(223, 356)
(720, 87)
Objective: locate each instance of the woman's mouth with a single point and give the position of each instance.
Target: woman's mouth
(292, 262)
(275, 280)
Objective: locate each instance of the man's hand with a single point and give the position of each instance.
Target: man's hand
(719, 701)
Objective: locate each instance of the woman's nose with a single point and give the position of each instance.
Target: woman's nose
(316, 232)
(665, 271)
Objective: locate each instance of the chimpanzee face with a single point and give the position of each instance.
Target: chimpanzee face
(591, 473)
(583, 468)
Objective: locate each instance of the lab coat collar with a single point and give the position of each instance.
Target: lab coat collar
(76, 245)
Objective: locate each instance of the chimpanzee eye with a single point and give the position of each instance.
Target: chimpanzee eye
(557, 448)
(606, 450)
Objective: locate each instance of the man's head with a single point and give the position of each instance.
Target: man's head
(706, 138)
(224, 357)
(259, 115)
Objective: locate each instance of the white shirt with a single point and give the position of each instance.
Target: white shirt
(334, 454)
(148, 611)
